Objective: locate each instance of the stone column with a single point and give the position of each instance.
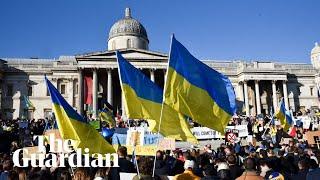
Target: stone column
(80, 91)
(95, 93)
(109, 93)
(246, 99)
(256, 83)
(70, 92)
(240, 91)
(285, 94)
(152, 75)
(164, 77)
(274, 95)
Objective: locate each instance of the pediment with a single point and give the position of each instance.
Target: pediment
(130, 54)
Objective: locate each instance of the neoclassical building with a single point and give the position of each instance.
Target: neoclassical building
(259, 85)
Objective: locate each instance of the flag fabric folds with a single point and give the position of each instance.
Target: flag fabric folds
(73, 126)
(27, 103)
(284, 116)
(106, 115)
(144, 101)
(198, 91)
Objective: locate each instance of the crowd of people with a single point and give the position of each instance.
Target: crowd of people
(269, 158)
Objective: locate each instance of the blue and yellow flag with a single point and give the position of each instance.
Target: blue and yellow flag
(284, 116)
(27, 103)
(73, 126)
(107, 115)
(144, 101)
(198, 91)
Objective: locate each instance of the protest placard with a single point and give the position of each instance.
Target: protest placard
(312, 137)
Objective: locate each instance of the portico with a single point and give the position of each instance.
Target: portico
(103, 70)
(259, 88)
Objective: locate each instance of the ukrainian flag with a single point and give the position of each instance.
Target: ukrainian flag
(198, 91)
(284, 116)
(27, 103)
(106, 115)
(144, 101)
(73, 126)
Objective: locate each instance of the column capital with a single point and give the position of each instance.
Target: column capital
(245, 81)
(152, 69)
(95, 69)
(285, 81)
(274, 81)
(109, 69)
(256, 81)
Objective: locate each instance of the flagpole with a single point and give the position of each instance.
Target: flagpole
(135, 160)
(161, 113)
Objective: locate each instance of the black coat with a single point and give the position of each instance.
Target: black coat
(126, 166)
(161, 168)
(235, 171)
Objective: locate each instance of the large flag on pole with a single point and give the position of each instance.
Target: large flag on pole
(144, 101)
(198, 91)
(284, 116)
(72, 126)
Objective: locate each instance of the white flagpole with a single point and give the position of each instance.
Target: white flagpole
(161, 113)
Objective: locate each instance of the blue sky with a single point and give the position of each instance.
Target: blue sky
(275, 30)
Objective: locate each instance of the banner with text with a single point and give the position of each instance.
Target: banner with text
(207, 133)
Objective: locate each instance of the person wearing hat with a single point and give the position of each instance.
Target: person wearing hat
(188, 173)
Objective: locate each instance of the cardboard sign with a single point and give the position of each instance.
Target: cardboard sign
(312, 137)
(285, 141)
(149, 150)
(167, 144)
(231, 135)
(135, 137)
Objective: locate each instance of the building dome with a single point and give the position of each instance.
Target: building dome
(315, 56)
(127, 33)
(316, 49)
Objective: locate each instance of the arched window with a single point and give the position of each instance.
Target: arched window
(129, 43)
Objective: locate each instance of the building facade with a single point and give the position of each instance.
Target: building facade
(259, 85)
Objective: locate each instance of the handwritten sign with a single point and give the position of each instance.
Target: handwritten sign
(312, 137)
(167, 144)
(135, 137)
